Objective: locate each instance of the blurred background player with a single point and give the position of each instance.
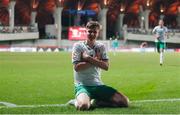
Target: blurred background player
(143, 46)
(115, 45)
(88, 58)
(160, 32)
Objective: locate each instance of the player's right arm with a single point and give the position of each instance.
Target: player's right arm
(154, 32)
(103, 64)
(81, 66)
(77, 61)
(100, 60)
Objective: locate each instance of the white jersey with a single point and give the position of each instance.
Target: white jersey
(160, 32)
(92, 75)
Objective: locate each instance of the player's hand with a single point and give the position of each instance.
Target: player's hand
(85, 56)
(157, 37)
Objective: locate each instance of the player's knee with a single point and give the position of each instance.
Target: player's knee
(83, 106)
(124, 102)
(161, 50)
(83, 102)
(121, 100)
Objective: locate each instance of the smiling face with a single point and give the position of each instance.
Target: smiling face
(93, 29)
(92, 34)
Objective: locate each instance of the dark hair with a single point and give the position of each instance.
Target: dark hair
(93, 25)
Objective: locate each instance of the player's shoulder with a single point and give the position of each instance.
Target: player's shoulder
(165, 27)
(78, 44)
(156, 27)
(99, 44)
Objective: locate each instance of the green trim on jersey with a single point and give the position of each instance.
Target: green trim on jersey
(100, 92)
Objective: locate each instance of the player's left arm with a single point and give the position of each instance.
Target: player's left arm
(100, 60)
(81, 66)
(166, 33)
(78, 63)
(96, 61)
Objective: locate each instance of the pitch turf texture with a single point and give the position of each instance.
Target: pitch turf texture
(47, 78)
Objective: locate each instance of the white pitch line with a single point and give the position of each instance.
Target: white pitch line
(156, 100)
(8, 104)
(63, 105)
(34, 106)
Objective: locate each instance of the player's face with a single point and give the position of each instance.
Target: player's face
(161, 23)
(92, 34)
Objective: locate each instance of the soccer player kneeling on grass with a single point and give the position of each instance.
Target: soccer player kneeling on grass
(161, 32)
(88, 58)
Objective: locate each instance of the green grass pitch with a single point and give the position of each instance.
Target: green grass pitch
(47, 78)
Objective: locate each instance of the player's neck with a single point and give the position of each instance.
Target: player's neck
(90, 43)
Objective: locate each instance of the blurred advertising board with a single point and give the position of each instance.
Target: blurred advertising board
(77, 33)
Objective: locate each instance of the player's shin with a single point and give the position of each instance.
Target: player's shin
(161, 58)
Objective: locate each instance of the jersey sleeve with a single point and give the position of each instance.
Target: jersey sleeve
(154, 30)
(76, 54)
(166, 30)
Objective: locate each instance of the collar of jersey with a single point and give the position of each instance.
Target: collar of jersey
(85, 42)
